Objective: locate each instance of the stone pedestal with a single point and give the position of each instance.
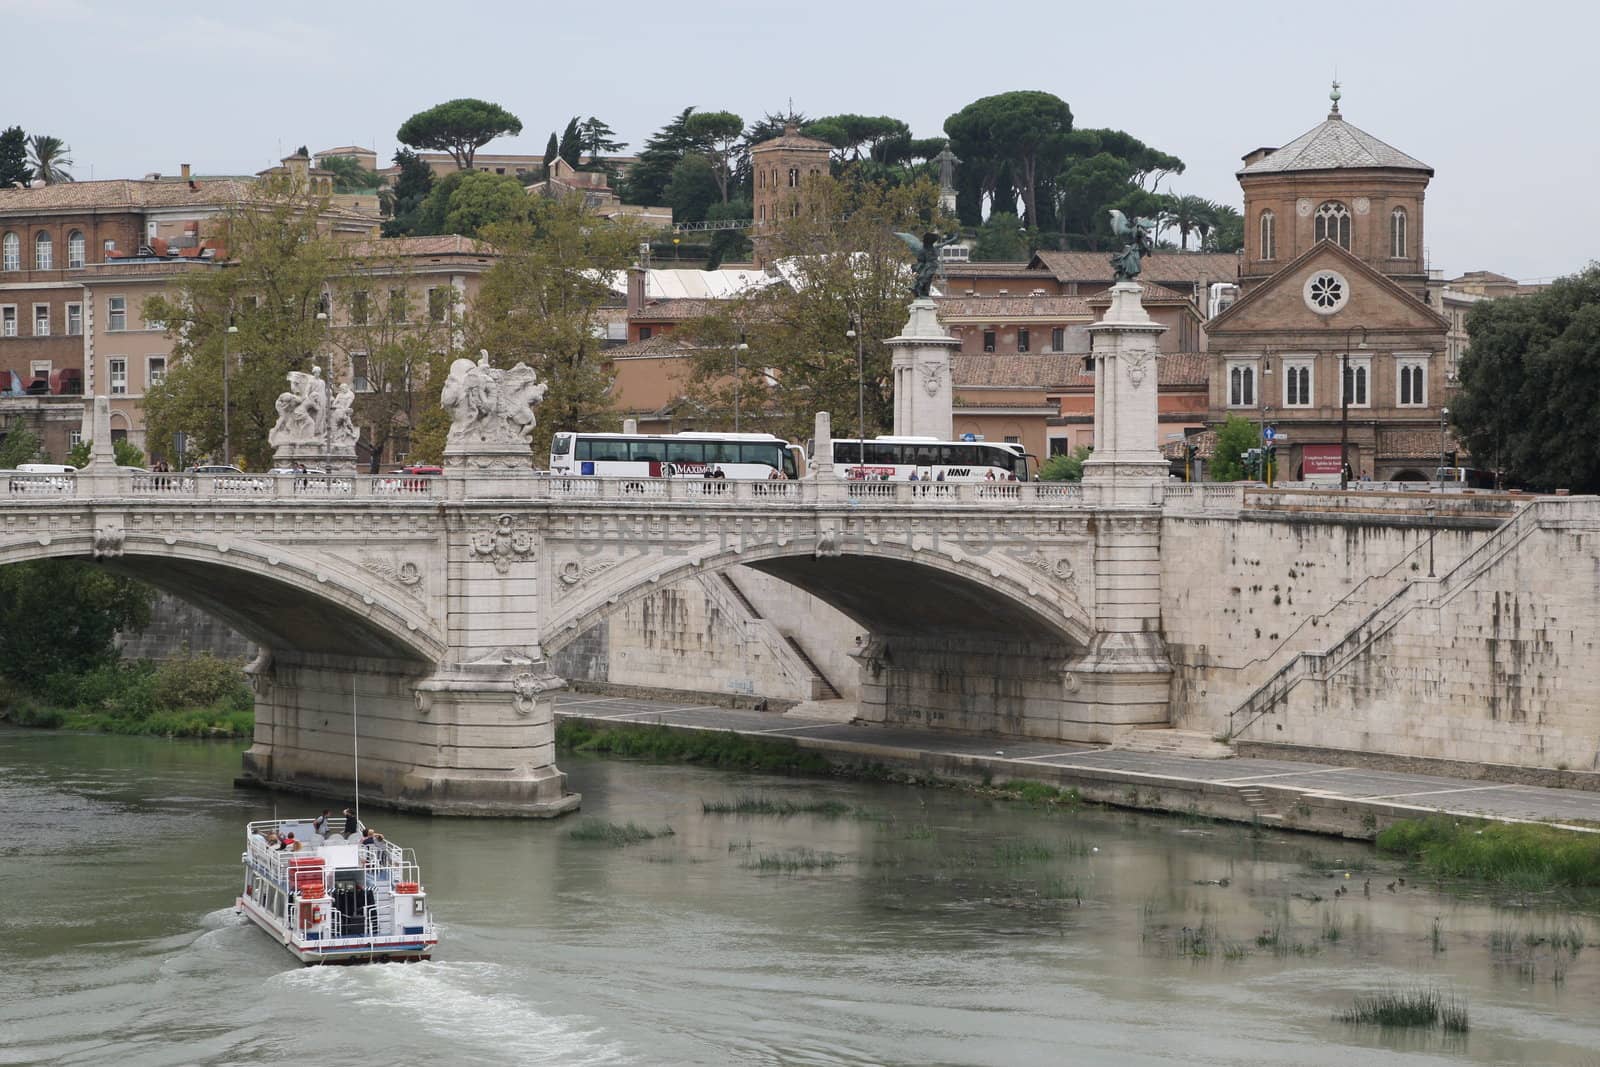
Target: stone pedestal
(1121, 681)
(317, 456)
(924, 397)
(1127, 468)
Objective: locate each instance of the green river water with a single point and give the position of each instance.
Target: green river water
(918, 927)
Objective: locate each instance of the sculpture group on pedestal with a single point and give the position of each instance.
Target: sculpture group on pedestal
(307, 418)
(490, 406)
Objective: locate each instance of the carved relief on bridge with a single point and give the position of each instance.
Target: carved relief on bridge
(504, 544)
(403, 572)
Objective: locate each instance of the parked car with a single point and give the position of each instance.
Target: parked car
(231, 478)
(414, 478)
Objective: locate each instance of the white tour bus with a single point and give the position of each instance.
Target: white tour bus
(927, 459)
(679, 455)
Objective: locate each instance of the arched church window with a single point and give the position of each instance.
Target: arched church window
(1269, 236)
(794, 177)
(1397, 233)
(1333, 223)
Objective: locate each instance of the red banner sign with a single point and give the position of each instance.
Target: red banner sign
(1319, 459)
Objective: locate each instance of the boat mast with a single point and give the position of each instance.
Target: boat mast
(355, 746)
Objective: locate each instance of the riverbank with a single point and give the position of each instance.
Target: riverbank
(1351, 802)
(188, 696)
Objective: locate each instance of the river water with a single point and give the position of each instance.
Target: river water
(917, 927)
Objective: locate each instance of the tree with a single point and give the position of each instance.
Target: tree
(18, 445)
(1065, 468)
(541, 304)
(1027, 129)
(1004, 238)
(692, 190)
(459, 127)
(848, 271)
(850, 134)
(1227, 232)
(1529, 402)
(349, 176)
(410, 189)
(1237, 436)
(598, 139)
(570, 147)
(648, 178)
(480, 200)
(48, 156)
(1190, 214)
(271, 290)
(728, 244)
(389, 358)
(552, 151)
(718, 136)
(14, 169)
(64, 616)
(126, 452)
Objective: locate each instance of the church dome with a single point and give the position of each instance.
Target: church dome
(1333, 145)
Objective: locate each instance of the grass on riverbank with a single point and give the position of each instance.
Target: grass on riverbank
(756, 804)
(712, 748)
(1409, 1008)
(190, 696)
(1518, 855)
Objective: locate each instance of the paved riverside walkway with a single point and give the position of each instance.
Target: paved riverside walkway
(1393, 792)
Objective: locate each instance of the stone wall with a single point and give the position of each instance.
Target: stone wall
(1242, 595)
(703, 636)
(176, 627)
(1492, 664)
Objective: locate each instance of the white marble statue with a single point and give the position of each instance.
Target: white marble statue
(488, 405)
(301, 411)
(344, 432)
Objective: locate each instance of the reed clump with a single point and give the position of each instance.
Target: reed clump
(712, 748)
(756, 804)
(1424, 1008)
(615, 834)
(1524, 856)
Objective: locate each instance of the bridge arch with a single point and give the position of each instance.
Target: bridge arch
(279, 599)
(885, 587)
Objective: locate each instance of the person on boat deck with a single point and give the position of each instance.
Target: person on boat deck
(272, 839)
(289, 844)
(319, 825)
(371, 837)
(350, 824)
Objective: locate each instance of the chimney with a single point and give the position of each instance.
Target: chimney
(636, 280)
(183, 168)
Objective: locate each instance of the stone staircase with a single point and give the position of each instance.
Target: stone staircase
(1257, 802)
(1169, 742)
(821, 688)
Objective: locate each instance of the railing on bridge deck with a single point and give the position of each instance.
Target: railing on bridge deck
(178, 486)
(738, 491)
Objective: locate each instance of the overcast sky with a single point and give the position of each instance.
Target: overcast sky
(1494, 96)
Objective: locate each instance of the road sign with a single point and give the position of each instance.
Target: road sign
(1269, 433)
(969, 437)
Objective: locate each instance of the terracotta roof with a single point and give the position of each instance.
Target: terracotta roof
(665, 344)
(1183, 368)
(125, 193)
(1149, 293)
(675, 310)
(1205, 444)
(1042, 371)
(1414, 444)
(1334, 145)
(793, 138)
(971, 268)
(1186, 268)
(443, 245)
(1015, 307)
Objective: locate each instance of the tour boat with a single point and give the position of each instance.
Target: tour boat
(333, 899)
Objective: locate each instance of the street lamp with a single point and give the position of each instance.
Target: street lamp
(861, 397)
(1344, 405)
(1444, 420)
(227, 437)
(738, 350)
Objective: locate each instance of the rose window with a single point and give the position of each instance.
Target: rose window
(1326, 292)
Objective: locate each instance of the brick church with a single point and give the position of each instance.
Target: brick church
(1334, 268)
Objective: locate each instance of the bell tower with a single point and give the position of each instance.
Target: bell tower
(780, 166)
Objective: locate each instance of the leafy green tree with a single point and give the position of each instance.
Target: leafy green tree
(692, 190)
(14, 169)
(1065, 468)
(541, 304)
(271, 290)
(49, 158)
(480, 200)
(648, 178)
(410, 189)
(718, 135)
(849, 271)
(18, 445)
(1004, 238)
(552, 151)
(126, 452)
(349, 176)
(1237, 436)
(63, 616)
(1222, 230)
(1529, 402)
(598, 139)
(1026, 129)
(1190, 214)
(853, 134)
(728, 244)
(571, 144)
(459, 127)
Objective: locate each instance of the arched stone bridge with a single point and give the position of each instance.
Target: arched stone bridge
(426, 606)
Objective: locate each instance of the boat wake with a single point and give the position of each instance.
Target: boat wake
(467, 1008)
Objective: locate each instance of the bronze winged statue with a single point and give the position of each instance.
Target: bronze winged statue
(1126, 264)
(927, 249)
